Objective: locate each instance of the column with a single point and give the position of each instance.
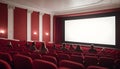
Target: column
(51, 28)
(41, 27)
(29, 25)
(10, 22)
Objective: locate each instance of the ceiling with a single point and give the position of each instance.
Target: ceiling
(61, 7)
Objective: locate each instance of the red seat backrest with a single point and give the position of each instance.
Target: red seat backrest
(71, 64)
(90, 60)
(4, 65)
(77, 58)
(50, 58)
(6, 57)
(106, 62)
(22, 62)
(36, 56)
(117, 64)
(62, 56)
(42, 64)
(96, 67)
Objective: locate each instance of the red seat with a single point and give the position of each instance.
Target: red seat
(90, 60)
(50, 58)
(4, 65)
(63, 68)
(22, 62)
(76, 58)
(106, 62)
(42, 64)
(96, 67)
(6, 57)
(71, 64)
(54, 54)
(117, 64)
(62, 56)
(36, 56)
(26, 54)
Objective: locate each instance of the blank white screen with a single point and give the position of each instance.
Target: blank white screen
(92, 30)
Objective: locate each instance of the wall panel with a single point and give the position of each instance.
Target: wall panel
(35, 26)
(3, 20)
(58, 30)
(46, 27)
(20, 24)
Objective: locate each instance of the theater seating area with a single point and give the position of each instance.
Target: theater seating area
(20, 57)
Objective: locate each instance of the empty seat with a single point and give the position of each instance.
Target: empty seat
(106, 62)
(62, 56)
(4, 65)
(42, 64)
(50, 59)
(76, 58)
(26, 53)
(6, 56)
(71, 64)
(117, 64)
(22, 62)
(63, 68)
(36, 56)
(90, 60)
(96, 67)
(54, 54)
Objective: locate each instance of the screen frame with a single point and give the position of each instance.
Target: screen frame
(86, 17)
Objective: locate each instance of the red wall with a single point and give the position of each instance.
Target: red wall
(20, 24)
(3, 20)
(35, 26)
(46, 27)
(58, 29)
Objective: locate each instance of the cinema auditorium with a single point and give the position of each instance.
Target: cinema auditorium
(59, 34)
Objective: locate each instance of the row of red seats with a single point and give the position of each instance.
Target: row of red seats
(4, 43)
(25, 62)
(101, 51)
(22, 49)
(106, 52)
(39, 64)
(86, 61)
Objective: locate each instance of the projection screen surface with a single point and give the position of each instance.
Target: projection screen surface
(99, 30)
